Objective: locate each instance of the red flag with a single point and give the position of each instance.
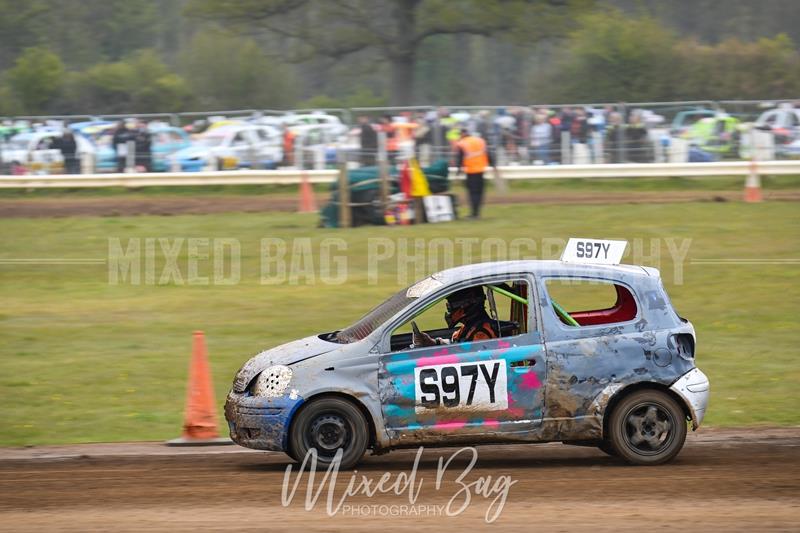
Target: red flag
(405, 180)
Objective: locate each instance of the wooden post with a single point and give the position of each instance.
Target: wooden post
(500, 184)
(419, 210)
(345, 216)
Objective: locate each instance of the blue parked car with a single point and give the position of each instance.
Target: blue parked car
(166, 140)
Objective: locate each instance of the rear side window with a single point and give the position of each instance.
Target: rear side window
(579, 302)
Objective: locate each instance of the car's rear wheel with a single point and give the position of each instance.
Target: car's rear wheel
(328, 425)
(647, 428)
(607, 448)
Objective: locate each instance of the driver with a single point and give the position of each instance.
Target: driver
(466, 307)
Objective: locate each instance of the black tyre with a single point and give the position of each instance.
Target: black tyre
(327, 425)
(647, 428)
(607, 448)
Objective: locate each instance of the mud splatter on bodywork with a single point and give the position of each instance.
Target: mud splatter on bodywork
(558, 379)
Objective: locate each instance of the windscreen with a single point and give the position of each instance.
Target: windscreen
(375, 318)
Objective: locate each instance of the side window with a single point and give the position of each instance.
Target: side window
(490, 310)
(580, 302)
(239, 139)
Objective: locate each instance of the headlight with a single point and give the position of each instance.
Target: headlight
(272, 382)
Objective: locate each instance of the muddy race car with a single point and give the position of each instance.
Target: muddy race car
(586, 352)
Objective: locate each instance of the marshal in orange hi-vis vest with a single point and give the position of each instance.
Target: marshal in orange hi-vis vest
(476, 159)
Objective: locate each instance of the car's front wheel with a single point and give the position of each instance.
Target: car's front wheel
(328, 425)
(647, 427)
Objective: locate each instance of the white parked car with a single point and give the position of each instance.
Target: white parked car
(784, 124)
(35, 150)
(232, 147)
(331, 124)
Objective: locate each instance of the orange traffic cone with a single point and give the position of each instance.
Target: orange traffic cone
(752, 185)
(200, 419)
(308, 202)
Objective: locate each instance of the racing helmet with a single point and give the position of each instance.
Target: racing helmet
(463, 303)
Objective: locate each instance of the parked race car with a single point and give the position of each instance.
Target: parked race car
(620, 376)
(165, 141)
(35, 150)
(231, 147)
(718, 137)
(784, 124)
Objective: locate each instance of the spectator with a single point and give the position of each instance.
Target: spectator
(369, 142)
(143, 142)
(69, 149)
(579, 128)
(473, 158)
(555, 145)
(387, 126)
(638, 147)
(120, 143)
(483, 125)
(541, 138)
(287, 140)
(423, 138)
(615, 137)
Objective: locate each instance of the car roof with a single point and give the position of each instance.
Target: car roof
(543, 268)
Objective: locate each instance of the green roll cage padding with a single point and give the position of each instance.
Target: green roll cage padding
(511, 295)
(563, 314)
(559, 310)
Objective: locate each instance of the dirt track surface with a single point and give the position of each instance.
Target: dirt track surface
(122, 206)
(723, 480)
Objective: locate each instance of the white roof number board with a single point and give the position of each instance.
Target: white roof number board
(598, 251)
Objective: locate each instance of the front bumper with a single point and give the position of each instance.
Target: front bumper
(694, 388)
(260, 423)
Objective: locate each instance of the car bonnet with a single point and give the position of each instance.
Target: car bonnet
(285, 354)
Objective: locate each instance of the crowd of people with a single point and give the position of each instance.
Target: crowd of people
(139, 135)
(524, 135)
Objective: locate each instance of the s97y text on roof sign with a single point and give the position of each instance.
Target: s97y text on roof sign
(597, 251)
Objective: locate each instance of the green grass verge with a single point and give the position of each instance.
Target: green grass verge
(82, 360)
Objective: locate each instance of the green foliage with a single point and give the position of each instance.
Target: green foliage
(20, 27)
(732, 69)
(230, 72)
(9, 103)
(140, 83)
(611, 57)
(363, 97)
(395, 30)
(36, 78)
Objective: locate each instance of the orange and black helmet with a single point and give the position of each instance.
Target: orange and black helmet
(463, 303)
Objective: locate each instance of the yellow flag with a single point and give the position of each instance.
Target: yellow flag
(419, 183)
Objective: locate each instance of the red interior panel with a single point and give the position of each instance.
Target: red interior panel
(622, 311)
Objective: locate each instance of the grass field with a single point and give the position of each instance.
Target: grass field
(84, 360)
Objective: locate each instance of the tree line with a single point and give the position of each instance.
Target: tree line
(125, 56)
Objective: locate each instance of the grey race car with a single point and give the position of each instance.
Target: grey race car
(621, 376)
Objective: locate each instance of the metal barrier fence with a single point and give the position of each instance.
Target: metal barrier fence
(295, 176)
(564, 134)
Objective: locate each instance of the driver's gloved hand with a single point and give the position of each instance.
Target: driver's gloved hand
(423, 339)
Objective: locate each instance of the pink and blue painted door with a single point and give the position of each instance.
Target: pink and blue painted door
(490, 387)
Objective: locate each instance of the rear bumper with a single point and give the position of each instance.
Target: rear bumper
(694, 388)
(260, 423)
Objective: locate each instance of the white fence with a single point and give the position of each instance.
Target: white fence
(290, 177)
